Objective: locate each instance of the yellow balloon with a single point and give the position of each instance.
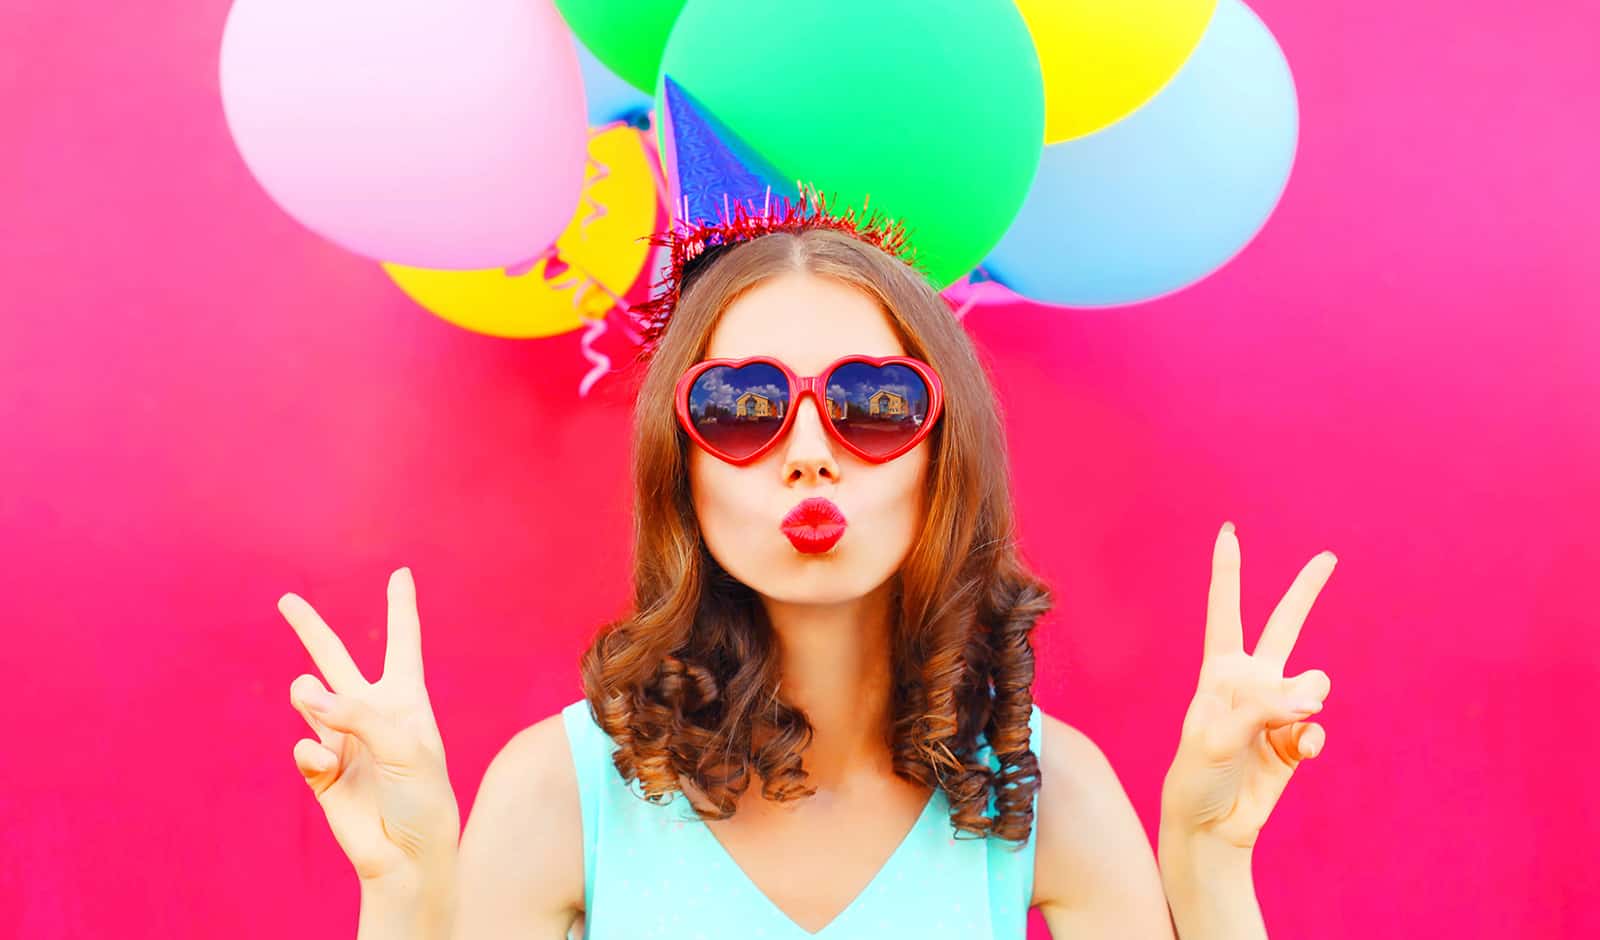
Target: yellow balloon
(608, 249)
(1102, 60)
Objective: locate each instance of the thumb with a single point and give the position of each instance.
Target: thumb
(1298, 742)
(318, 765)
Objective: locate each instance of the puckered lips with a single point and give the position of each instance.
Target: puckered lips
(815, 525)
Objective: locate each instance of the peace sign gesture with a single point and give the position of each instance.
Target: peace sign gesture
(378, 765)
(1246, 730)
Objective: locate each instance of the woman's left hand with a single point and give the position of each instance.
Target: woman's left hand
(1245, 732)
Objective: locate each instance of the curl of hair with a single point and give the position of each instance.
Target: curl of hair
(687, 684)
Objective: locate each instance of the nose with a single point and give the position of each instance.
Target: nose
(808, 452)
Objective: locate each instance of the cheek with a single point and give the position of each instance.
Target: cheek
(906, 493)
(889, 503)
(720, 498)
(702, 484)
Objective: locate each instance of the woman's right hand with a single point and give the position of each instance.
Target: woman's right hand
(377, 766)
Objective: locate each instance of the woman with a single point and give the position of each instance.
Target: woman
(828, 662)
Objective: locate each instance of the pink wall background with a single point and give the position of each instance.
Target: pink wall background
(204, 406)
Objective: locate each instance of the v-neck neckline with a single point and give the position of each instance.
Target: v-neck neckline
(862, 896)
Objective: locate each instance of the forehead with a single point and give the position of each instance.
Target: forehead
(805, 320)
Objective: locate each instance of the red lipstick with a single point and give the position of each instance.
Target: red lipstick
(815, 525)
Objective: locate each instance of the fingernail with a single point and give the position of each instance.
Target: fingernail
(317, 700)
(1227, 527)
(1308, 706)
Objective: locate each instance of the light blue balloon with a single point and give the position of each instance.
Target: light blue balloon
(610, 98)
(1170, 193)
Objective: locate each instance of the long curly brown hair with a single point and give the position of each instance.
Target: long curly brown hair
(687, 683)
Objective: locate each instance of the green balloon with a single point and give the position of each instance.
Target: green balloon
(933, 110)
(627, 35)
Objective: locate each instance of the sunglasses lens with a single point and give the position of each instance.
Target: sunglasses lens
(877, 408)
(739, 410)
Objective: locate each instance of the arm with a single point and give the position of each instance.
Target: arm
(1094, 873)
(521, 869)
(1243, 736)
(1095, 876)
(1209, 887)
(391, 911)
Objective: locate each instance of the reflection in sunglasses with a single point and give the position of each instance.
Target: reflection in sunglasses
(876, 408)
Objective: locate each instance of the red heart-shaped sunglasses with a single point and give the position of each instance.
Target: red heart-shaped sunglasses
(878, 407)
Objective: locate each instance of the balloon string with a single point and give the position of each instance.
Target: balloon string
(601, 172)
(523, 267)
(975, 280)
(601, 364)
(622, 307)
(598, 212)
(658, 178)
(961, 312)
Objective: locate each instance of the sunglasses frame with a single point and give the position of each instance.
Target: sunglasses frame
(815, 386)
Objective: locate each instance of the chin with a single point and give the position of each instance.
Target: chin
(824, 578)
(820, 595)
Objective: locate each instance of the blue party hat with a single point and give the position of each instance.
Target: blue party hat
(708, 167)
(724, 192)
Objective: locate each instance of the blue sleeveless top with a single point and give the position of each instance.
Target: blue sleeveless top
(653, 870)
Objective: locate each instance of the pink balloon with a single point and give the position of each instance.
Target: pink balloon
(443, 134)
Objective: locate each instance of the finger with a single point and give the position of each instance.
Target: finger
(1297, 742)
(353, 714)
(1254, 711)
(1312, 739)
(318, 765)
(1311, 684)
(403, 655)
(300, 692)
(1283, 627)
(332, 659)
(1224, 629)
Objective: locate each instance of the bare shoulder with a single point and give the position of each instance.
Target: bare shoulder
(1095, 872)
(521, 860)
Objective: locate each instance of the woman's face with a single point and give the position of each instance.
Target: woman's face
(807, 322)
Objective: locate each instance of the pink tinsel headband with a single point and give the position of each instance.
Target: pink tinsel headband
(691, 242)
